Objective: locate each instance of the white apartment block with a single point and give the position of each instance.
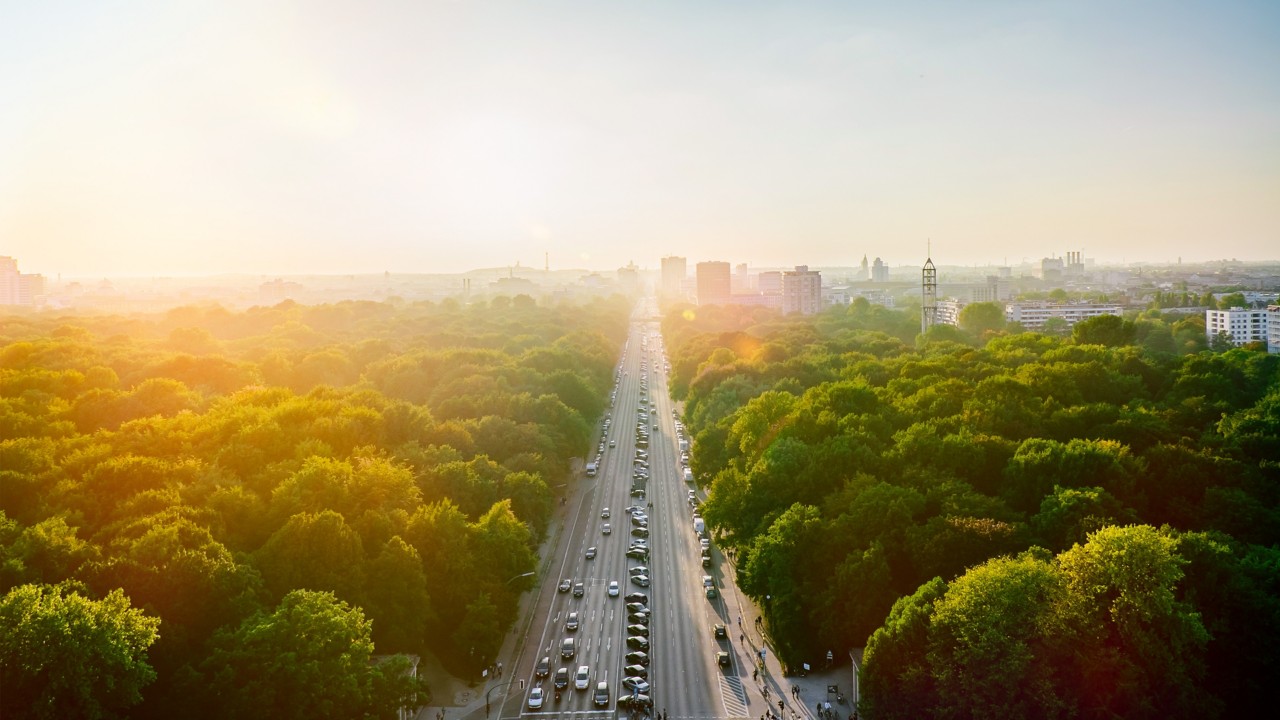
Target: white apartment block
(1242, 325)
(1273, 329)
(1032, 315)
(801, 291)
(949, 311)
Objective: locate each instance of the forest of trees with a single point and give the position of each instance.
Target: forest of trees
(1012, 524)
(208, 513)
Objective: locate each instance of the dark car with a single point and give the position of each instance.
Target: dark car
(637, 642)
(579, 590)
(638, 617)
(638, 554)
(722, 659)
(637, 629)
(640, 532)
(562, 678)
(591, 553)
(544, 667)
(635, 701)
(637, 607)
(720, 631)
(638, 657)
(636, 671)
(565, 585)
(636, 597)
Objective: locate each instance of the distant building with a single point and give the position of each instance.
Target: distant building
(741, 280)
(277, 291)
(18, 288)
(629, 278)
(864, 273)
(770, 282)
(1273, 328)
(879, 271)
(1032, 315)
(1051, 270)
(1242, 325)
(801, 291)
(949, 312)
(713, 283)
(674, 270)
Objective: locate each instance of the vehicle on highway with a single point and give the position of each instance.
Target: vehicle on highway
(635, 701)
(640, 617)
(637, 607)
(710, 586)
(604, 513)
(579, 590)
(581, 680)
(566, 585)
(637, 597)
(568, 648)
(613, 588)
(562, 678)
(638, 553)
(638, 684)
(641, 580)
(535, 698)
(544, 667)
(605, 529)
(591, 553)
(571, 622)
(639, 570)
(636, 670)
(722, 659)
(719, 631)
(640, 532)
(613, 443)
(638, 657)
(601, 697)
(637, 642)
(640, 520)
(637, 629)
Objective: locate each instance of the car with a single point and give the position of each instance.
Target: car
(566, 585)
(633, 509)
(641, 580)
(637, 684)
(639, 521)
(591, 553)
(722, 659)
(706, 560)
(638, 553)
(605, 529)
(544, 667)
(637, 642)
(639, 570)
(579, 590)
(640, 617)
(719, 631)
(637, 597)
(613, 588)
(640, 532)
(638, 492)
(604, 513)
(535, 698)
(641, 630)
(580, 679)
(635, 701)
(562, 678)
(601, 697)
(637, 657)
(613, 443)
(571, 623)
(637, 607)
(712, 594)
(636, 671)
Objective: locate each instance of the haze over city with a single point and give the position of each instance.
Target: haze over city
(144, 138)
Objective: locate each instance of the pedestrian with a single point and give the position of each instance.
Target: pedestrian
(742, 637)
(755, 675)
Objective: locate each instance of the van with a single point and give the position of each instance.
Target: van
(591, 469)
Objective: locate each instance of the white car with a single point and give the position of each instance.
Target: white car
(581, 680)
(535, 699)
(613, 588)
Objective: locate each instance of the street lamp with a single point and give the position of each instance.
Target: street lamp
(517, 577)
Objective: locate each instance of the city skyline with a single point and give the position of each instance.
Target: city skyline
(278, 138)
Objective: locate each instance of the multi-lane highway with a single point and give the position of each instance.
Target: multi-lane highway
(686, 679)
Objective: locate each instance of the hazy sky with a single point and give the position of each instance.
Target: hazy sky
(182, 137)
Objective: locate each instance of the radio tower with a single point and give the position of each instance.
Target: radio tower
(928, 294)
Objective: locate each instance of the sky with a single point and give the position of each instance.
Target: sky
(317, 136)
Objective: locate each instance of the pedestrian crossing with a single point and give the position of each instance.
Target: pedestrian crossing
(734, 696)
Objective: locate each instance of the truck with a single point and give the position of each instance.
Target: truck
(699, 526)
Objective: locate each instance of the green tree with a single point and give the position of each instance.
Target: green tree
(980, 318)
(314, 551)
(1109, 330)
(65, 655)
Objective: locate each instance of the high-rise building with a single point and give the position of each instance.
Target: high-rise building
(1273, 328)
(801, 291)
(19, 288)
(713, 283)
(865, 274)
(770, 282)
(879, 271)
(674, 270)
(1242, 325)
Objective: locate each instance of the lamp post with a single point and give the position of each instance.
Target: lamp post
(517, 577)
